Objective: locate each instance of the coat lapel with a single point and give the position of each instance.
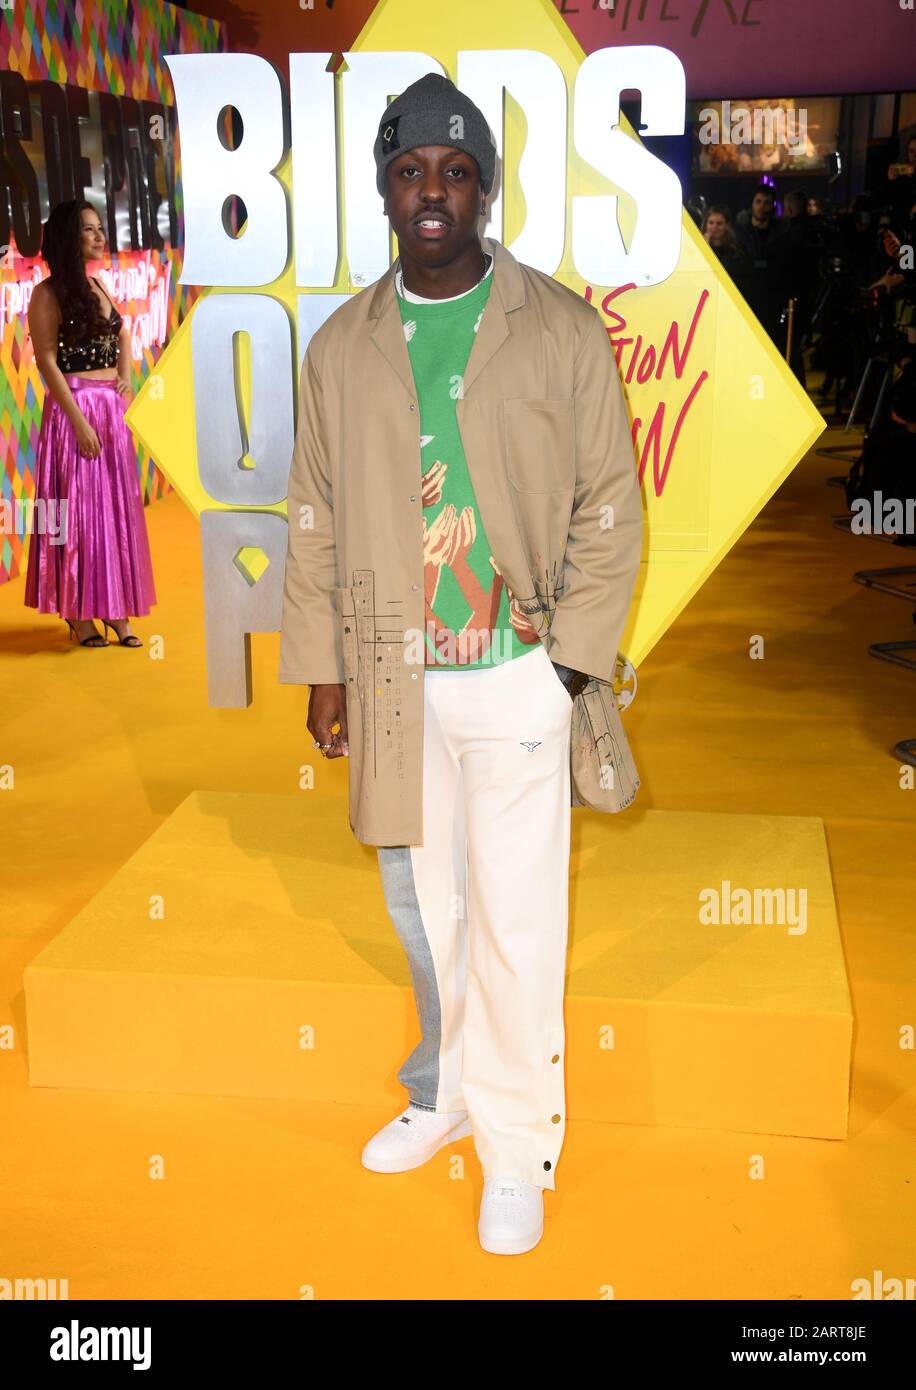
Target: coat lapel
(507, 293)
(387, 330)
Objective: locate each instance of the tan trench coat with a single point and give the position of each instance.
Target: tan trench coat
(547, 440)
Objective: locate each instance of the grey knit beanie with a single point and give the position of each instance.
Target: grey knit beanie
(432, 111)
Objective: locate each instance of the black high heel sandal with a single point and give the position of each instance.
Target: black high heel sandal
(131, 640)
(95, 638)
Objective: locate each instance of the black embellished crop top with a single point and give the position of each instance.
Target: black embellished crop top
(99, 350)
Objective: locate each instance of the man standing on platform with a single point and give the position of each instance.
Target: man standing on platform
(465, 530)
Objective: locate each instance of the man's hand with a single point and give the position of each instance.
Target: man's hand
(327, 707)
(889, 281)
(575, 681)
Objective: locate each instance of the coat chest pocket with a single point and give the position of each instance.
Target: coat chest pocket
(540, 439)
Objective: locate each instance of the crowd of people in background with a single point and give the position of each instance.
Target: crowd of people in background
(835, 289)
(846, 272)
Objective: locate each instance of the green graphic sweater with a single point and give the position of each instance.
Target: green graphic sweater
(471, 620)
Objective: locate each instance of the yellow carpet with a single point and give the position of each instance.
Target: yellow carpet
(673, 1015)
(188, 1196)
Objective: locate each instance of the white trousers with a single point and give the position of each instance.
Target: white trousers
(482, 909)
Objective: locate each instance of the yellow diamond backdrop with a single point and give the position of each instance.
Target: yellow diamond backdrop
(719, 419)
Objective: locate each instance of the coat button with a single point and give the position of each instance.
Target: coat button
(547, 1167)
(413, 497)
(415, 586)
(413, 407)
(555, 1057)
(555, 1119)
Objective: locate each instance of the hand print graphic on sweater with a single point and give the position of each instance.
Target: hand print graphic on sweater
(472, 618)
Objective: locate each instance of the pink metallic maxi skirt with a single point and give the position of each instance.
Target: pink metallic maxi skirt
(103, 569)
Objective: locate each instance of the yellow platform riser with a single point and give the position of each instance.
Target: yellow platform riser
(245, 950)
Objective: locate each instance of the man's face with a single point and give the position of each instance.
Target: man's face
(433, 200)
(761, 207)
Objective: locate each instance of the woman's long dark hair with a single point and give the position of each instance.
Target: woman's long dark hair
(60, 246)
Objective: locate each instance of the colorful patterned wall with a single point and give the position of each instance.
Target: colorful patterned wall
(108, 46)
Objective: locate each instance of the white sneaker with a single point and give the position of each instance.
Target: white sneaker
(511, 1216)
(410, 1140)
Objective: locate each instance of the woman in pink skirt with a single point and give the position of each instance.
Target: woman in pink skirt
(86, 464)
